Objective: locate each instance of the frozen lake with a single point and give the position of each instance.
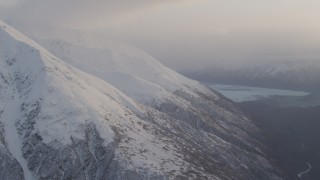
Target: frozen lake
(239, 93)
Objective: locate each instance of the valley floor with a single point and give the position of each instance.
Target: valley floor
(290, 122)
(292, 136)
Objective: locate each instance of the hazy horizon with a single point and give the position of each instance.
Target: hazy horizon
(189, 35)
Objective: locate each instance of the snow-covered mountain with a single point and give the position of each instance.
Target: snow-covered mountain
(105, 111)
(125, 67)
(290, 74)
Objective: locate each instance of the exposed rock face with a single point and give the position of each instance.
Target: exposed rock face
(57, 122)
(83, 159)
(218, 141)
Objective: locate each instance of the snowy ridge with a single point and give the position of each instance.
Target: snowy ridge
(114, 62)
(140, 120)
(57, 76)
(85, 98)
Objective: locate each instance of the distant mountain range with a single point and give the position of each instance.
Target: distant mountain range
(296, 75)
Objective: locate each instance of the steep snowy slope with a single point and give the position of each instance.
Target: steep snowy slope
(57, 122)
(130, 69)
(110, 60)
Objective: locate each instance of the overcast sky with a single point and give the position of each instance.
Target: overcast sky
(189, 34)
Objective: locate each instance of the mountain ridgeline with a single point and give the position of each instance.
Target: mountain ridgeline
(109, 111)
(283, 74)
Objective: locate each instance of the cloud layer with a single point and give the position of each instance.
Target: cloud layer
(73, 12)
(196, 32)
